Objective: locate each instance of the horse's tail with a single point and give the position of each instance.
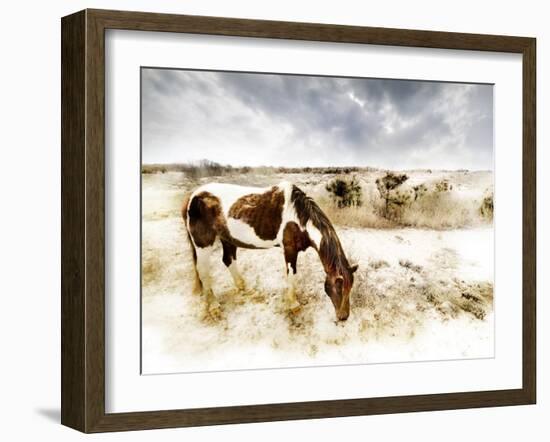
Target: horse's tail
(197, 284)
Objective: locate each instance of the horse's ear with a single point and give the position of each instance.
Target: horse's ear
(354, 268)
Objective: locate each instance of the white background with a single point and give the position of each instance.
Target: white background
(30, 233)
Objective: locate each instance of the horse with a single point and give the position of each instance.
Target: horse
(260, 218)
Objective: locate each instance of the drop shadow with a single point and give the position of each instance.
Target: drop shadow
(51, 414)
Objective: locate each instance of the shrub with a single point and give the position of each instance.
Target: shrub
(443, 186)
(420, 190)
(386, 185)
(486, 209)
(345, 192)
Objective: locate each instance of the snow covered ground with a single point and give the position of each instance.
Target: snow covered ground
(419, 294)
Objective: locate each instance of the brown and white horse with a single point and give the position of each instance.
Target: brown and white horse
(259, 218)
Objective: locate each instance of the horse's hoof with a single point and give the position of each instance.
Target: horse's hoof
(295, 308)
(215, 311)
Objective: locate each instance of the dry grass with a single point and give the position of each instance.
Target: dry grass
(409, 265)
(150, 269)
(446, 200)
(366, 215)
(442, 210)
(438, 203)
(378, 264)
(411, 284)
(355, 216)
(397, 303)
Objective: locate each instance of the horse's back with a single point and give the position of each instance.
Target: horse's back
(252, 216)
(229, 194)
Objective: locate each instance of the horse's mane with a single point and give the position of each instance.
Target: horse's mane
(330, 249)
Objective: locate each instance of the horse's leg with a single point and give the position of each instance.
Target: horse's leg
(230, 261)
(197, 284)
(291, 257)
(294, 242)
(203, 269)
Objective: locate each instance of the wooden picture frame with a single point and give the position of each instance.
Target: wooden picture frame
(83, 220)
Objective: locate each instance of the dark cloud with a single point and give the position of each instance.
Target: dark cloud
(244, 118)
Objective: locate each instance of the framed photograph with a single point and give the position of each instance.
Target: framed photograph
(270, 220)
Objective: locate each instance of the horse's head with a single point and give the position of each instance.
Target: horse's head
(338, 285)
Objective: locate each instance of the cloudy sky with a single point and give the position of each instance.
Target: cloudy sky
(289, 120)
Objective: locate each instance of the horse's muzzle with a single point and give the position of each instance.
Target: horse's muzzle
(342, 316)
